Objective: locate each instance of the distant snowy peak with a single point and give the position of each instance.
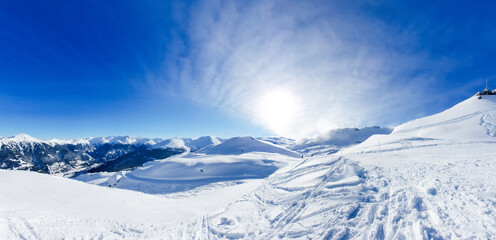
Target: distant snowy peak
(239, 145)
(472, 119)
(342, 137)
(108, 153)
(54, 141)
(281, 141)
(175, 143)
(129, 140)
(206, 140)
(183, 143)
(188, 143)
(202, 142)
(19, 138)
(150, 142)
(114, 140)
(25, 139)
(19, 141)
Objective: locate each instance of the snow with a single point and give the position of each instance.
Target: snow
(417, 193)
(204, 167)
(239, 145)
(22, 138)
(40, 206)
(458, 122)
(100, 178)
(17, 139)
(202, 142)
(126, 140)
(178, 174)
(280, 141)
(26, 139)
(192, 170)
(431, 178)
(182, 143)
(53, 142)
(343, 136)
(175, 143)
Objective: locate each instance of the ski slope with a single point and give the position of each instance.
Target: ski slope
(38, 206)
(431, 178)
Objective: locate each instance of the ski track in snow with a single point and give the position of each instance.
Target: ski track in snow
(429, 196)
(442, 123)
(489, 124)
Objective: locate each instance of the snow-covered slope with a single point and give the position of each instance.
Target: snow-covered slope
(342, 137)
(38, 206)
(472, 119)
(181, 173)
(239, 145)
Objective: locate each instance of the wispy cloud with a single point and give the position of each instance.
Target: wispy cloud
(343, 68)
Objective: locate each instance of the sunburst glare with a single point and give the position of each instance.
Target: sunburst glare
(277, 110)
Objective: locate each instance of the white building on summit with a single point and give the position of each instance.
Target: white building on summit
(486, 91)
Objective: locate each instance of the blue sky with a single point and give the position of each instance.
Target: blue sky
(72, 69)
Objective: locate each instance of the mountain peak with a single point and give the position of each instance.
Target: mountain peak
(113, 140)
(240, 145)
(22, 137)
(203, 141)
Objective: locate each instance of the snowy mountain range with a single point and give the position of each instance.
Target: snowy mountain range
(110, 154)
(430, 178)
(69, 157)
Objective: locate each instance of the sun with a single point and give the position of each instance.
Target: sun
(277, 110)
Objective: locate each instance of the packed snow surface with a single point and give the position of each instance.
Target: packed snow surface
(38, 206)
(432, 178)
